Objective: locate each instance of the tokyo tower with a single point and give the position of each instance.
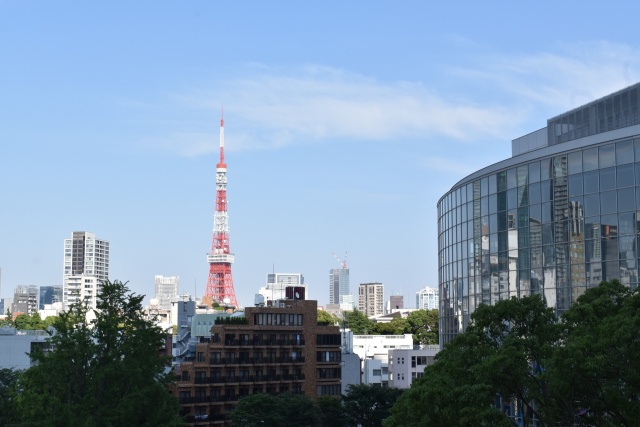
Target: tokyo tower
(220, 283)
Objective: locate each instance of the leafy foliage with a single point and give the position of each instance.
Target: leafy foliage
(581, 370)
(368, 405)
(8, 392)
(326, 319)
(423, 324)
(359, 323)
(106, 372)
(231, 320)
(283, 410)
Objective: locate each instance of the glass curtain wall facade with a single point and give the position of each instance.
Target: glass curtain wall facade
(552, 225)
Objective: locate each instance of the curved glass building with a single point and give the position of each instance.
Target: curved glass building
(557, 217)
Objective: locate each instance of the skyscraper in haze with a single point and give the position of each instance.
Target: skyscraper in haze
(86, 266)
(49, 295)
(338, 284)
(166, 290)
(371, 298)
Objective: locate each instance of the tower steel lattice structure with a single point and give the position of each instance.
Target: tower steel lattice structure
(220, 282)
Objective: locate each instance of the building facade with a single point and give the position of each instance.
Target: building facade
(166, 290)
(25, 300)
(277, 283)
(86, 266)
(276, 348)
(396, 302)
(49, 295)
(557, 217)
(405, 366)
(427, 299)
(371, 298)
(338, 284)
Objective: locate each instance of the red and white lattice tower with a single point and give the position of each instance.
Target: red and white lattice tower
(220, 283)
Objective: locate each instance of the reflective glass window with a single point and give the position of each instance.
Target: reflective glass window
(624, 152)
(575, 185)
(591, 182)
(626, 199)
(610, 221)
(512, 181)
(502, 221)
(591, 204)
(484, 206)
(545, 167)
(493, 203)
(547, 212)
(469, 192)
(512, 198)
(624, 176)
(626, 223)
(545, 191)
(608, 202)
(559, 166)
(523, 199)
(512, 219)
(522, 175)
(590, 159)
(606, 155)
(502, 180)
(607, 179)
(535, 212)
(574, 162)
(534, 172)
(493, 243)
(610, 270)
(502, 201)
(484, 186)
(636, 143)
(493, 184)
(534, 193)
(493, 223)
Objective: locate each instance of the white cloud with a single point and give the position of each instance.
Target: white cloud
(275, 107)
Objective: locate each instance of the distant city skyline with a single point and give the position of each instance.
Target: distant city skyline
(345, 123)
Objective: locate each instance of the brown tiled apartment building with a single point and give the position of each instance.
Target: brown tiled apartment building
(278, 349)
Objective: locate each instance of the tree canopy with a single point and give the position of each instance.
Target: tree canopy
(101, 373)
(283, 410)
(517, 363)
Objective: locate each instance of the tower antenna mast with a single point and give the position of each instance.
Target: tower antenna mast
(220, 282)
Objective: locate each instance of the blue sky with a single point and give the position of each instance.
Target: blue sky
(345, 122)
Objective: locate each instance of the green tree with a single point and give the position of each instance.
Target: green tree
(30, 322)
(500, 354)
(103, 373)
(395, 327)
(8, 392)
(368, 405)
(283, 410)
(8, 320)
(325, 318)
(596, 372)
(423, 324)
(331, 411)
(359, 323)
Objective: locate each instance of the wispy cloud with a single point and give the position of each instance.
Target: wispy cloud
(276, 107)
(571, 76)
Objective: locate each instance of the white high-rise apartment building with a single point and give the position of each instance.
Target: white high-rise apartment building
(166, 290)
(427, 299)
(86, 266)
(371, 298)
(277, 284)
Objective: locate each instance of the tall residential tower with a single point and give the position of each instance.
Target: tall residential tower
(86, 266)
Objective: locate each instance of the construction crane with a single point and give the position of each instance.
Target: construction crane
(342, 262)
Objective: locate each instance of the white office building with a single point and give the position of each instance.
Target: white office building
(277, 284)
(427, 299)
(166, 290)
(407, 365)
(86, 266)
